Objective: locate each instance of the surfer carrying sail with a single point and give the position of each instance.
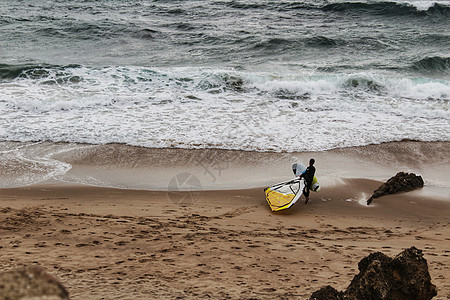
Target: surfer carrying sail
(285, 194)
(307, 174)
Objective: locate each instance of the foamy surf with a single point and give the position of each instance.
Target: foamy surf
(31, 163)
(220, 108)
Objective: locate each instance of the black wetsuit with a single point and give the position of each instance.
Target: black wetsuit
(309, 176)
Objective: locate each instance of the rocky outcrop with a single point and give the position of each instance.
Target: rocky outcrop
(327, 293)
(404, 277)
(31, 283)
(402, 182)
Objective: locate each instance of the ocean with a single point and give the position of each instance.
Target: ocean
(277, 76)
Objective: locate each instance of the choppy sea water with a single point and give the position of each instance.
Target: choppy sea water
(244, 75)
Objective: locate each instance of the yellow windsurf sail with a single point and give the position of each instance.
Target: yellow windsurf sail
(283, 195)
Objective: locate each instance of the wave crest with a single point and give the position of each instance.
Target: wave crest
(388, 8)
(58, 73)
(433, 64)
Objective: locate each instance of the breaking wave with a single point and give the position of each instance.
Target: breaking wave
(218, 108)
(10, 72)
(389, 8)
(433, 65)
(398, 8)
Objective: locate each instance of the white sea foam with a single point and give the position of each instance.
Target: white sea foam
(223, 108)
(30, 163)
(422, 4)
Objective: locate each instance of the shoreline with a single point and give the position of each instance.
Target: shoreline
(130, 167)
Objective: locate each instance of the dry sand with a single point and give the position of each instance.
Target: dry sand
(136, 244)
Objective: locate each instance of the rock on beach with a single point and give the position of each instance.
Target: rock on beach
(401, 182)
(380, 277)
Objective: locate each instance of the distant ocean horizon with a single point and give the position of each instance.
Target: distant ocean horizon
(282, 76)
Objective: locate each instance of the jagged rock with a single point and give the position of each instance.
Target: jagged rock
(327, 293)
(405, 277)
(31, 283)
(402, 182)
(380, 277)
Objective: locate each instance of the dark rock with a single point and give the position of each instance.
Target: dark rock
(402, 182)
(410, 270)
(380, 277)
(327, 293)
(31, 283)
(405, 277)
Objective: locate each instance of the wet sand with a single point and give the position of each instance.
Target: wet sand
(134, 244)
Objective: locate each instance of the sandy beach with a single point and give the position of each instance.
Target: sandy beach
(212, 242)
(137, 139)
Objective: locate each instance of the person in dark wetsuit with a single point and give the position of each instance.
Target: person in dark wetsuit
(308, 175)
